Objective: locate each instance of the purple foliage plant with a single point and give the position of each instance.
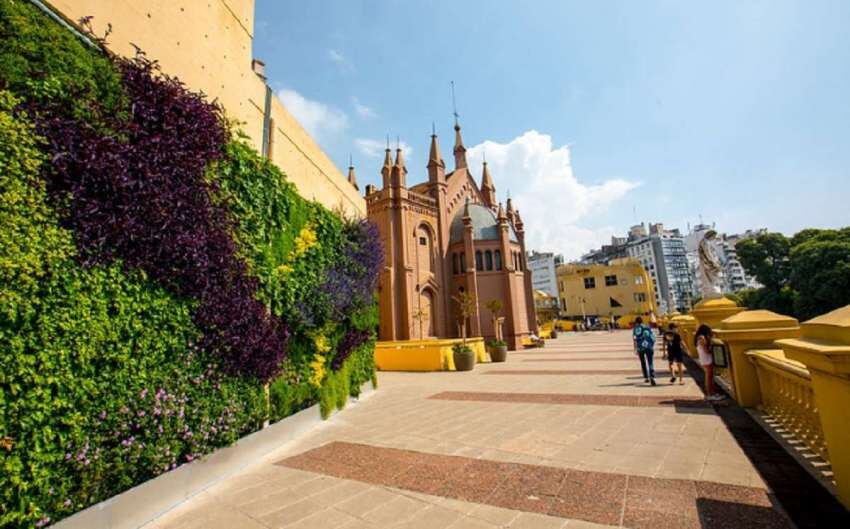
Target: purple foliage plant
(139, 194)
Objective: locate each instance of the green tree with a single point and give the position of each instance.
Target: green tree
(820, 271)
(766, 257)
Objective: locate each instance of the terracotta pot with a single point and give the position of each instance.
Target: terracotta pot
(499, 353)
(464, 360)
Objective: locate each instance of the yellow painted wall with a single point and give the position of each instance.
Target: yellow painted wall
(597, 300)
(424, 355)
(208, 45)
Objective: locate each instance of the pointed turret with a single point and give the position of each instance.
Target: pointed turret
(436, 165)
(510, 212)
(399, 170)
(500, 214)
(487, 188)
(352, 178)
(387, 168)
(459, 150)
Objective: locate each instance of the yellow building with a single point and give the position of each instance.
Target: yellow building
(545, 306)
(592, 290)
(208, 45)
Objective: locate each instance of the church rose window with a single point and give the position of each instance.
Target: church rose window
(498, 260)
(488, 260)
(479, 263)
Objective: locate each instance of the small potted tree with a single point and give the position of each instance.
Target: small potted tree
(497, 347)
(464, 357)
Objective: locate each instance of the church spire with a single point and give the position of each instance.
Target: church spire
(459, 150)
(352, 178)
(510, 211)
(399, 170)
(436, 165)
(388, 164)
(487, 188)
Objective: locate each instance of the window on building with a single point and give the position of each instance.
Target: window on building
(462, 262)
(589, 282)
(614, 303)
(638, 280)
(564, 304)
(498, 260)
(454, 264)
(488, 260)
(611, 281)
(479, 262)
(640, 297)
(423, 241)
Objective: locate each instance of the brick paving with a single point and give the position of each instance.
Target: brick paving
(597, 450)
(611, 499)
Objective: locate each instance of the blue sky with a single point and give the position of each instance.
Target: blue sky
(593, 114)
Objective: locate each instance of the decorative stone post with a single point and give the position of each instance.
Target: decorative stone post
(687, 327)
(752, 329)
(825, 350)
(712, 311)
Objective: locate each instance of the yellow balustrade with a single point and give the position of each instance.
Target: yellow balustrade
(751, 329)
(687, 327)
(788, 398)
(824, 348)
(424, 355)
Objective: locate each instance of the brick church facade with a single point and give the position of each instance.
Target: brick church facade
(445, 236)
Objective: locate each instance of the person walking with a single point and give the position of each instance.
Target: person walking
(702, 340)
(675, 353)
(644, 343)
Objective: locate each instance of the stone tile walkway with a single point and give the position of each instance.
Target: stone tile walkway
(461, 450)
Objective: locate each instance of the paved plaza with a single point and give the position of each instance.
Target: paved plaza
(564, 436)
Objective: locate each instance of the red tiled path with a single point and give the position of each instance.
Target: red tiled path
(613, 499)
(567, 398)
(592, 359)
(572, 372)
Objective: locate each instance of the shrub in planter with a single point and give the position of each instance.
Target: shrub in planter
(464, 357)
(498, 350)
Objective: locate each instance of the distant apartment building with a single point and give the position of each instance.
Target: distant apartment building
(543, 266)
(595, 290)
(604, 255)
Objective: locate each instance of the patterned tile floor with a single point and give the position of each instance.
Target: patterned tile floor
(459, 450)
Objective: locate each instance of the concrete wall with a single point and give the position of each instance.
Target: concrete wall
(208, 45)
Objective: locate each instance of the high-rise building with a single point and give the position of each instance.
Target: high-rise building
(542, 266)
(662, 253)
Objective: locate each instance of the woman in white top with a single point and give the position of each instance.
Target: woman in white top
(706, 360)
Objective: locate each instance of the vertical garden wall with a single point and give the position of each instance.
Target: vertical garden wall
(155, 275)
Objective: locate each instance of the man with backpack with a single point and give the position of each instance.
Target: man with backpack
(644, 342)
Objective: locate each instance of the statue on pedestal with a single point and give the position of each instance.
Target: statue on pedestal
(710, 269)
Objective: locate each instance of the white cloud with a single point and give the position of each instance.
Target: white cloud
(375, 148)
(362, 110)
(317, 118)
(340, 60)
(551, 200)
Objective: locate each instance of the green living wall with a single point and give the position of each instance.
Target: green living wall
(155, 274)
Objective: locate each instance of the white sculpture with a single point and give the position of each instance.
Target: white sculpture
(710, 270)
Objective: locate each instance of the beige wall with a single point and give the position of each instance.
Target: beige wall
(208, 45)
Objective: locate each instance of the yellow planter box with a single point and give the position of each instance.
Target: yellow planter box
(424, 355)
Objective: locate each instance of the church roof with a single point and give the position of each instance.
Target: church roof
(485, 226)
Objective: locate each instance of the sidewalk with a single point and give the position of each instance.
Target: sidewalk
(565, 436)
